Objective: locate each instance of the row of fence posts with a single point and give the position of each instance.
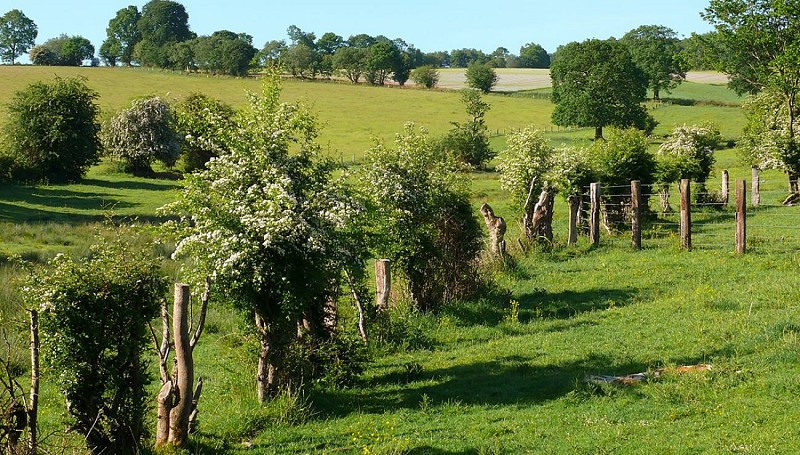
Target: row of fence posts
(595, 194)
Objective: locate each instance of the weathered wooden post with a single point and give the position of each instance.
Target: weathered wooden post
(686, 215)
(594, 216)
(741, 217)
(574, 207)
(756, 184)
(383, 278)
(725, 192)
(636, 214)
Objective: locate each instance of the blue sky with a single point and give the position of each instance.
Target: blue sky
(429, 25)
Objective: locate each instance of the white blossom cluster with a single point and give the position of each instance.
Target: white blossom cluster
(690, 149)
(143, 133)
(528, 156)
(765, 141)
(267, 204)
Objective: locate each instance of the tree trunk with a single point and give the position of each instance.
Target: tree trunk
(598, 133)
(541, 222)
(265, 373)
(184, 368)
(33, 407)
(383, 280)
(497, 230)
(656, 94)
(164, 400)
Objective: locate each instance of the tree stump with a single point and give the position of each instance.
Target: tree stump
(539, 222)
(497, 230)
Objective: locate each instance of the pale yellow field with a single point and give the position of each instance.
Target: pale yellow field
(511, 79)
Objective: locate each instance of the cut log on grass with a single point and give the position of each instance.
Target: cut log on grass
(637, 378)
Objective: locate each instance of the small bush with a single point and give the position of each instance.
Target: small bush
(142, 134)
(481, 77)
(94, 316)
(51, 132)
(202, 123)
(426, 76)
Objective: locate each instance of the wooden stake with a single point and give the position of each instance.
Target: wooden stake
(725, 192)
(574, 207)
(686, 215)
(741, 217)
(383, 278)
(594, 217)
(636, 214)
(756, 184)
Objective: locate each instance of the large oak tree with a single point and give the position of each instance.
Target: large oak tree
(597, 84)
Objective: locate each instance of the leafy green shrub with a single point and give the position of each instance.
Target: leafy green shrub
(691, 149)
(51, 132)
(623, 157)
(422, 217)
(469, 141)
(202, 123)
(426, 76)
(481, 77)
(142, 134)
(94, 319)
(528, 157)
(339, 361)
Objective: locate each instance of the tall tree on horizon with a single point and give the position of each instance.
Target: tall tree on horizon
(17, 35)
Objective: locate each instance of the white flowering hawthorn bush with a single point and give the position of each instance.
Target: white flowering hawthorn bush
(142, 134)
(270, 226)
(767, 141)
(572, 170)
(528, 156)
(689, 149)
(421, 217)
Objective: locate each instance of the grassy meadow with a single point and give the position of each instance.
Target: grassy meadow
(501, 375)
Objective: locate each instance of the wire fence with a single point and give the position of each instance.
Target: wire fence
(694, 217)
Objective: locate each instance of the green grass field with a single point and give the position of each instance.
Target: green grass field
(491, 376)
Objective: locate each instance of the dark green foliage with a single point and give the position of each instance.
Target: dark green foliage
(597, 84)
(223, 52)
(51, 132)
(94, 316)
(656, 51)
(481, 76)
(162, 24)
(63, 51)
(17, 35)
(533, 55)
(123, 35)
(338, 361)
(201, 123)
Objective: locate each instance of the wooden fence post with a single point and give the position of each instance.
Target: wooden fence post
(725, 193)
(574, 206)
(383, 278)
(741, 217)
(594, 217)
(636, 214)
(686, 215)
(756, 183)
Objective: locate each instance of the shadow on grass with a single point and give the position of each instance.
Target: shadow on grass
(539, 304)
(566, 304)
(511, 380)
(164, 185)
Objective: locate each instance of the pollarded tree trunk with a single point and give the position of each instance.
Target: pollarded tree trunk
(598, 133)
(538, 223)
(497, 230)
